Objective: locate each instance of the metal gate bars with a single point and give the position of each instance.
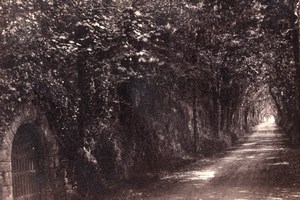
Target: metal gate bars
(25, 165)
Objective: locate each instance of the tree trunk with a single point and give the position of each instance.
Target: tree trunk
(196, 133)
(297, 61)
(296, 49)
(81, 166)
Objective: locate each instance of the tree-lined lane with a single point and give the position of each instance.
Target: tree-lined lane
(132, 87)
(261, 168)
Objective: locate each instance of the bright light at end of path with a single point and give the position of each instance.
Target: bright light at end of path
(270, 119)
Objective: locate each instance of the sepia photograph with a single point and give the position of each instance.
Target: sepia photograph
(149, 99)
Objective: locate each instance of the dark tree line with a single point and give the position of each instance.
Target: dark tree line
(127, 85)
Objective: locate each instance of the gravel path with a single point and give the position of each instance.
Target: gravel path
(263, 167)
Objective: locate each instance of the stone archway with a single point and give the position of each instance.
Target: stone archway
(29, 136)
(28, 177)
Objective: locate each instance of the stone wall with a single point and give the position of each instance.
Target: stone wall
(28, 114)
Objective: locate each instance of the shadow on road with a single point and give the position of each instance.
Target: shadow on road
(263, 167)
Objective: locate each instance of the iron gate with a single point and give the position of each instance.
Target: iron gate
(25, 165)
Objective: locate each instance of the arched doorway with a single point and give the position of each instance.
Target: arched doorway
(30, 166)
(27, 164)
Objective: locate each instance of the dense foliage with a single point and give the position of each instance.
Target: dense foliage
(127, 84)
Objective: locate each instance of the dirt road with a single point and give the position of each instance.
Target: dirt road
(261, 168)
